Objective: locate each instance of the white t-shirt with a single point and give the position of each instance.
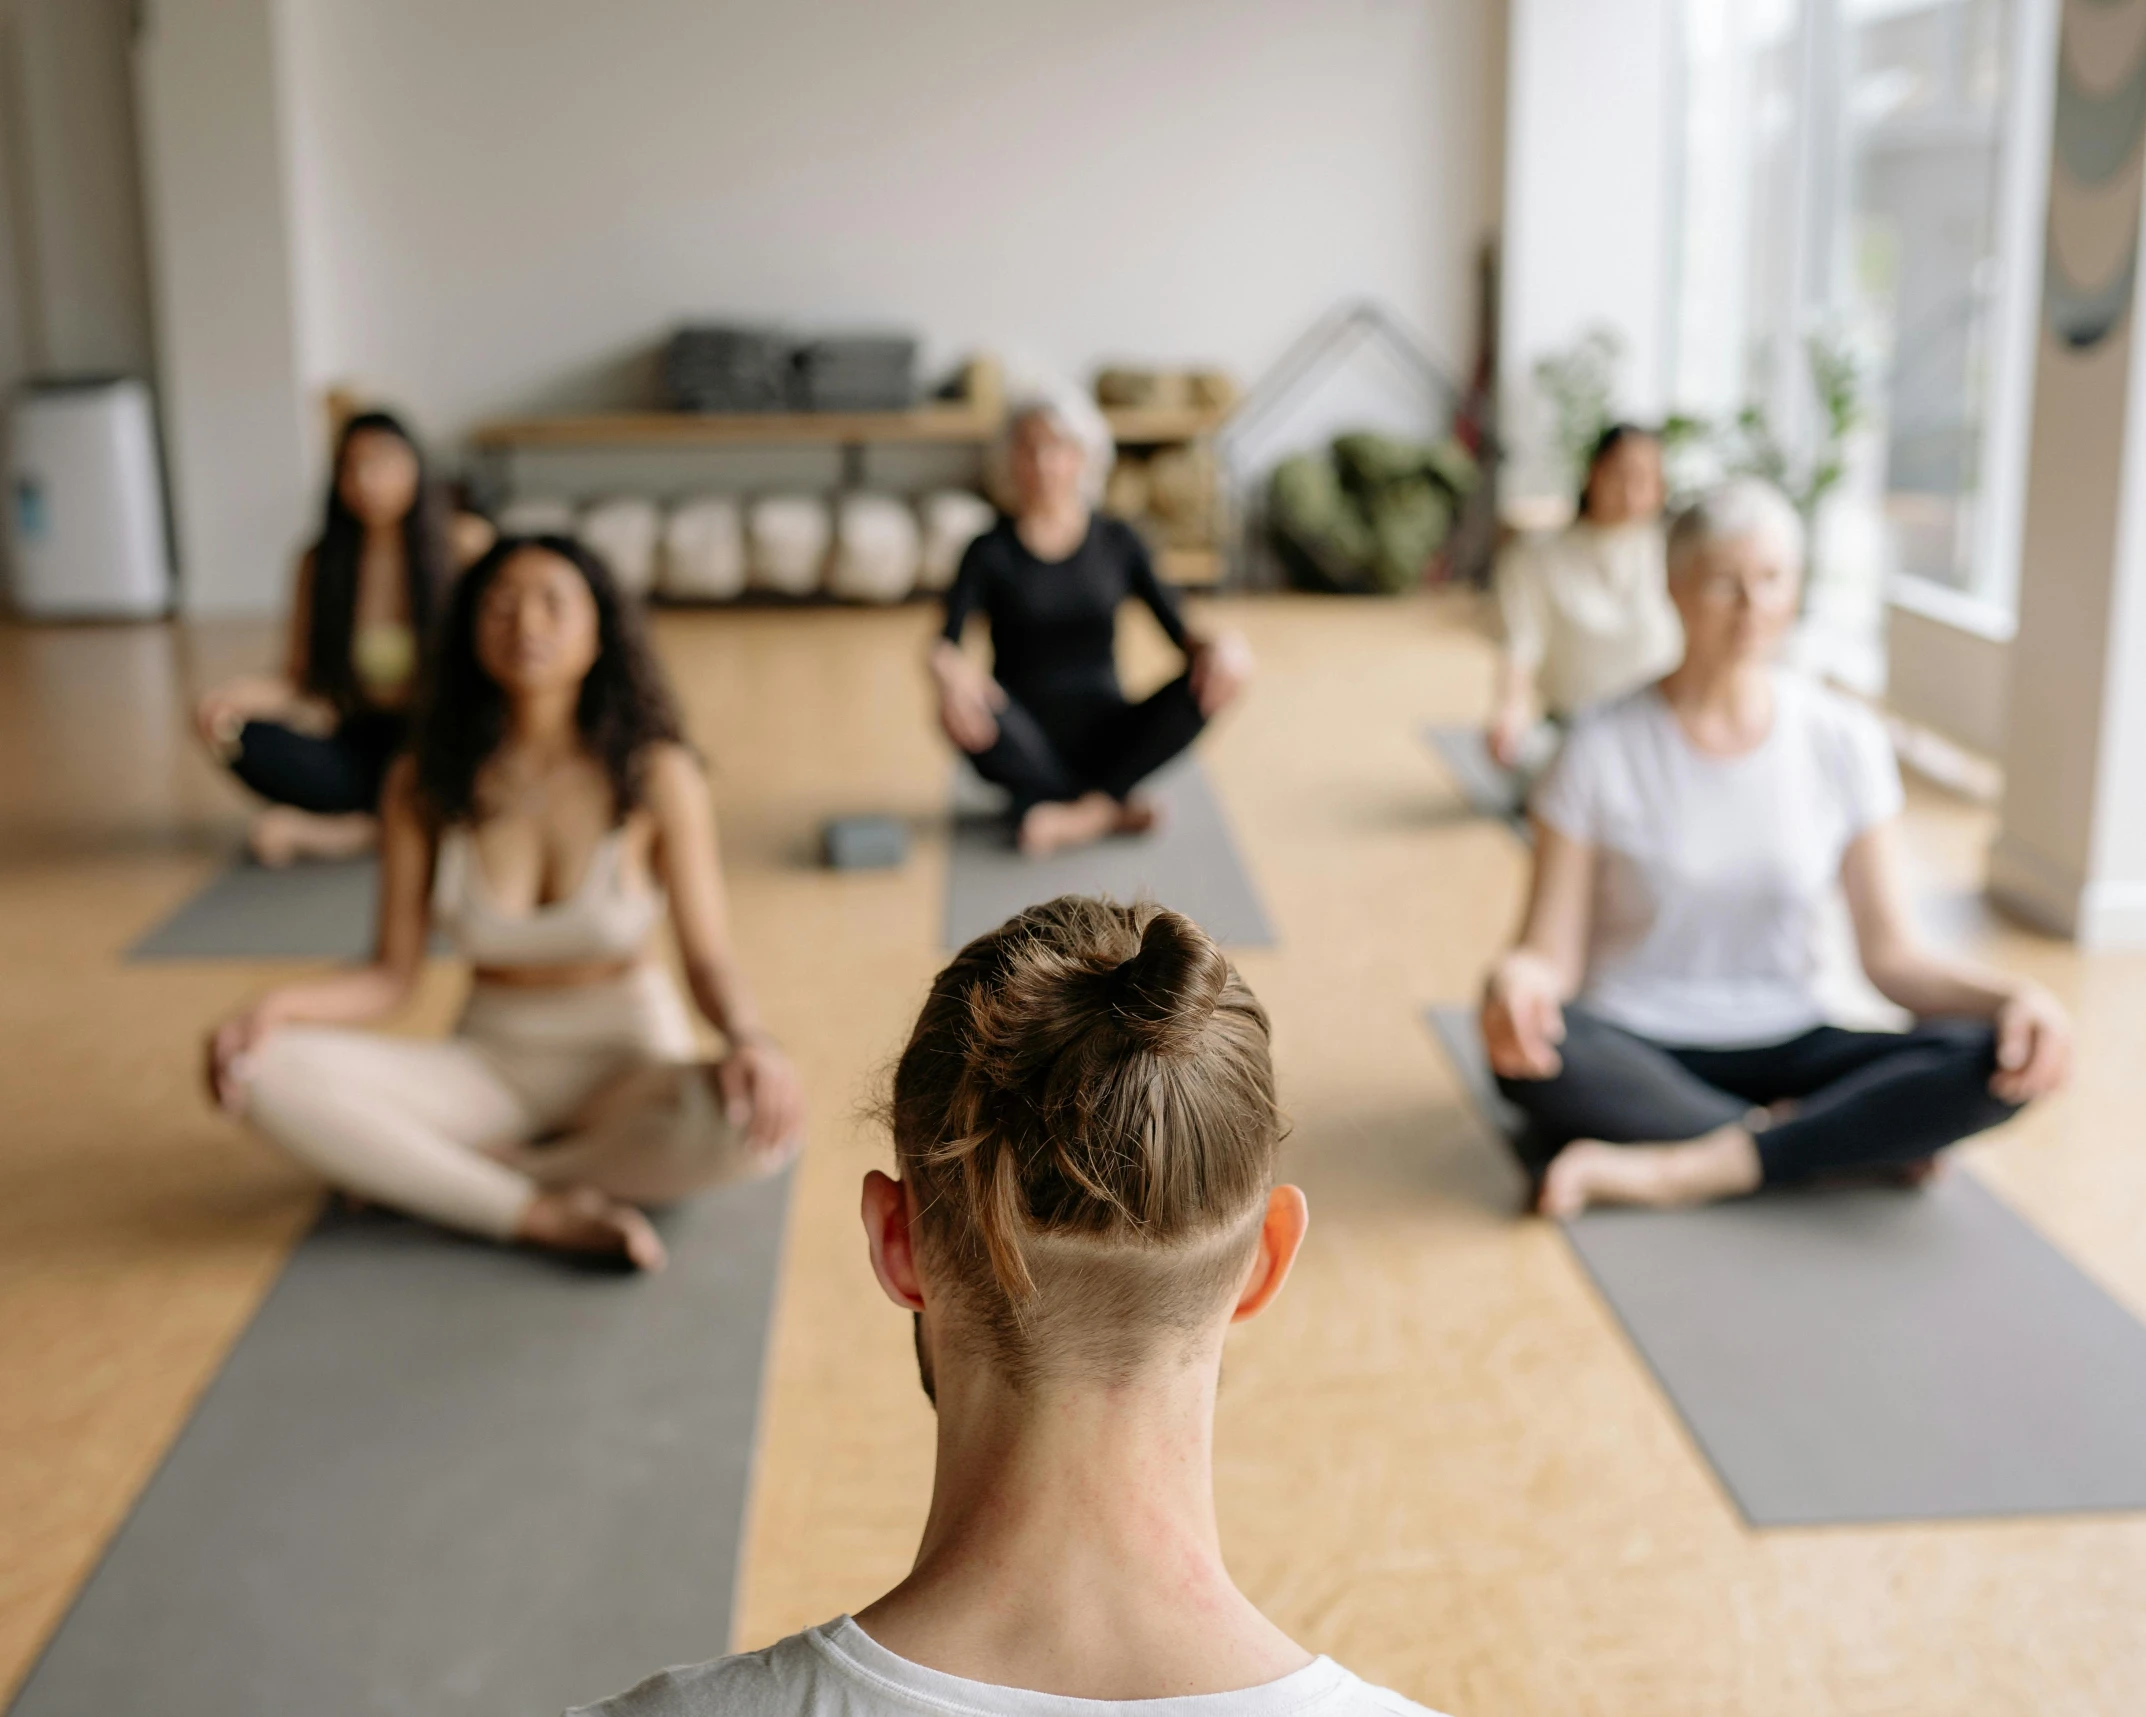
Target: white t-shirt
(1714, 875)
(839, 1670)
(1588, 610)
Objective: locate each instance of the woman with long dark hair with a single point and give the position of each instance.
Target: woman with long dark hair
(547, 817)
(315, 740)
(1586, 613)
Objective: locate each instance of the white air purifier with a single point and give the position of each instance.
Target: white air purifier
(86, 524)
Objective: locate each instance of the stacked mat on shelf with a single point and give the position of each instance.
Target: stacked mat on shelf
(728, 367)
(721, 367)
(856, 372)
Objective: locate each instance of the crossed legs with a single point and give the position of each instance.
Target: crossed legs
(444, 1130)
(1712, 1122)
(1072, 764)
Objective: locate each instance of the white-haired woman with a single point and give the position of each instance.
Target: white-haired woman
(1050, 722)
(1657, 1022)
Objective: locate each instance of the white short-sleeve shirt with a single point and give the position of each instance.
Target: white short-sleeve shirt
(839, 1670)
(1713, 875)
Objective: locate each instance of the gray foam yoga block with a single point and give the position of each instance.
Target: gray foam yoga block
(865, 843)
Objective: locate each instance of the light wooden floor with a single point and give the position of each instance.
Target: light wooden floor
(1438, 1459)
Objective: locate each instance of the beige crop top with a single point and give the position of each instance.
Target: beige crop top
(603, 919)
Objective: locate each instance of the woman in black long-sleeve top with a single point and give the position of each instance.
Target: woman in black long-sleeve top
(1050, 722)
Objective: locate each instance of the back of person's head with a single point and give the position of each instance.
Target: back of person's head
(1738, 509)
(1086, 1119)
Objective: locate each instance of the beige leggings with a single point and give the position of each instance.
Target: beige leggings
(589, 1084)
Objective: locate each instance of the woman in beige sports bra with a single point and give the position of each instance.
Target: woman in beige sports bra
(547, 817)
(315, 741)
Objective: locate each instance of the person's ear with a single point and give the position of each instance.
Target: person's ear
(1281, 1233)
(887, 1236)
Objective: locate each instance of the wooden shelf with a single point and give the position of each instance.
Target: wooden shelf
(1153, 425)
(945, 423)
(1194, 568)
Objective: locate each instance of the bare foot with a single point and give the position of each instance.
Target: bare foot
(1720, 1164)
(1057, 824)
(1140, 815)
(581, 1219)
(282, 835)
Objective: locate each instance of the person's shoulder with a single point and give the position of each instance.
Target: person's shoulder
(1830, 715)
(1614, 722)
(996, 538)
(1118, 536)
(1356, 1697)
(674, 783)
(774, 1682)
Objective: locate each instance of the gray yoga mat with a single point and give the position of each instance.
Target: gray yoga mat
(1857, 1355)
(314, 911)
(1458, 1035)
(1489, 788)
(444, 1477)
(1191, 865)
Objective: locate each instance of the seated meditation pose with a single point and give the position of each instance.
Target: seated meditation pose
(547, 819)
(1085, 1135)
(1585, 613)
(315, 741)
(1050, 722)
(1658, 1023)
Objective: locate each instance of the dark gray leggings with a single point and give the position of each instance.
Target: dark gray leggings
(1085, 739)
(1865, 1099)
(330, 774)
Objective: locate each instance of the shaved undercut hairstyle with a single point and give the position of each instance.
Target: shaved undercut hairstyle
(1086, 1116)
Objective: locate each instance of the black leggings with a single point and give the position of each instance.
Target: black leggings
(340, 773)
(1057, 747)
(1863, 1098)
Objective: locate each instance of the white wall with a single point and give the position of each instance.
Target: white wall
(238, 434)
(504, 204)
(2071, 848)
(84, 288)
(1589, 209)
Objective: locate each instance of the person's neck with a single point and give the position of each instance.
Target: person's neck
(541, 727)
(1724, 706)
(1071, 1546)
(1054, 530)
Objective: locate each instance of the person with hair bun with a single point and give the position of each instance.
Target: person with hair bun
(1659, 1023)
(1050, 722)
(549, 818)
(1085, 1138)
(1585, 613)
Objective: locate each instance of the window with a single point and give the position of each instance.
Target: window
(1843, 173)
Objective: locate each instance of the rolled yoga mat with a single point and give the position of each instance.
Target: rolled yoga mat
(445, 1477)
(1857, 1355)
(314, 911)
(1191, 864)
